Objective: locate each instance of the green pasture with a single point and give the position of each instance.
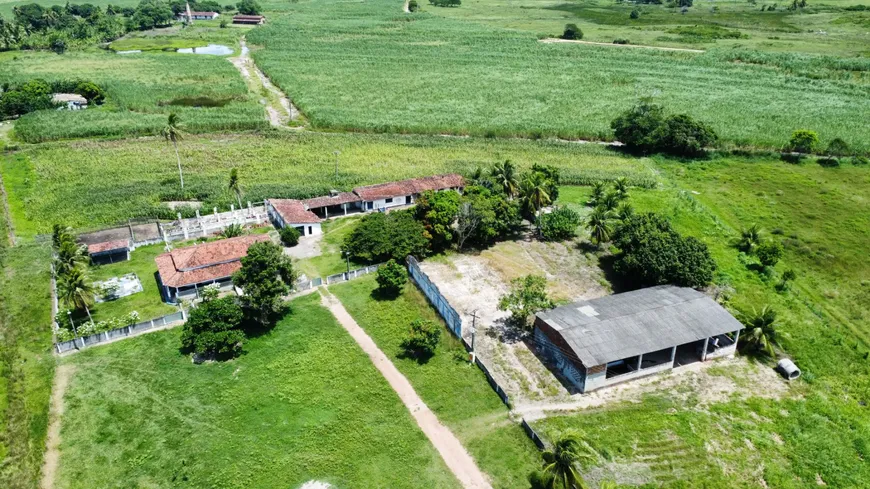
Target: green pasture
(303, 403)
(820, 28)
(453, 388)
(206, 91)
(94, 184)
(367, 66)
(824, 326)
(330, 261)
(148, 303)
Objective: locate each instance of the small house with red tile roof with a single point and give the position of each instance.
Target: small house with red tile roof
(405, 192)
(293, 213)
(109, 251)
(182, 272)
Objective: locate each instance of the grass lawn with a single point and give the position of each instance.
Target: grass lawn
(147, 303)
(141, 90)
(330, 261)
(367, 66)
(454, 389)
(824, 327)
(94, 184)
(303, 403)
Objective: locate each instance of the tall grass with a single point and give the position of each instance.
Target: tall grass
(141, 90)
(364, 66)
(92, 184)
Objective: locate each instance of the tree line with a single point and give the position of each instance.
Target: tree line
(36, 94)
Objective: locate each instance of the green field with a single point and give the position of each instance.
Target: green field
(454, 389)
(92, 184)
(820, 28)
(824, 327)
(366, 66)
(141, 90)
(303, 403)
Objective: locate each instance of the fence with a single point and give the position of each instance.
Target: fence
(532, 434)
(345, 276)
(430, 290)
(106, 336)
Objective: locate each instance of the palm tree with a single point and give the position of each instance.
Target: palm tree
(597, 193)
(624, 211)
(69, 255)
(610, 201)
(621, 186)
(505, 175)
(561, 460)
(760, 334)
(749, 238)
(534, 193)
(234, 185)
(599, 225)
(76, 290)
(608, 485)
(173, 131)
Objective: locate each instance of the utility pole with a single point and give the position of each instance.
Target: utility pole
(473, 333)
(347, 259)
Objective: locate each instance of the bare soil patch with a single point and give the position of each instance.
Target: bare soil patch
(62, 377)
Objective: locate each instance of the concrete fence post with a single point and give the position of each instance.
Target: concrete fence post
(152, 323)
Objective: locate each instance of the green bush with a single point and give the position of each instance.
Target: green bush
(653, 253)
(91, 91)
(289, 236)
(437, 211)
(803, 141)
(422, 339)
(645, 128)
(391, 278)
(413, 6)
(527, 296)
(769, 253)
(381, 236)
(559, 225)
(838, 147)
(635, 14)
(636, 126)
(249, 7)
(572, 32)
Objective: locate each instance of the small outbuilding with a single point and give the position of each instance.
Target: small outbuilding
(182, 272)
(293, 213)
(110, 251)
(605, 341)
(405, 192)
(70, 101)
(188, 16)
(249, 19)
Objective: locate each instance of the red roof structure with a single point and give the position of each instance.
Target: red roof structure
(409, 187)
(108, 246)
(203, 14)
(294, 211)
(248, 19)
(329, 200)
(206, 262)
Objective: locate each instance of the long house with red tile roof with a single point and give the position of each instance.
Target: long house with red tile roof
(301, 214)
(184, 271)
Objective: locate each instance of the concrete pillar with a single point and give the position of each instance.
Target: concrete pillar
(197, 215)
(704, 351)
(183, 226)
(736, 337)
(673, 355)
(344, 206)
(639, 361)
(326, 212)
(216, 215)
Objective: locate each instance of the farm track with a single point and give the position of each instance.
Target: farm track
(62, 377)
(278, 116)
(455, 456)
(10, 230)
(552, 40)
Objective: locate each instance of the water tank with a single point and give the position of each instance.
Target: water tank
(788, 369)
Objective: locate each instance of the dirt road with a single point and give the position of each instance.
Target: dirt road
(451, 450)
(639, 46)
(62, 376)
(285, 110)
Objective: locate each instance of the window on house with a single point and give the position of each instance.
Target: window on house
(388, 201)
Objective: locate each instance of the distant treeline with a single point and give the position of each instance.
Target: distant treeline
(36, 94)
(58, 27)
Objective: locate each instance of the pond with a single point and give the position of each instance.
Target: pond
(215, 49)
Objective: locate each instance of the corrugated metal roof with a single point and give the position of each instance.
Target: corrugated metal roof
(642, 321)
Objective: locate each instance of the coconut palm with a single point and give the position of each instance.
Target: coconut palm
(75, 289)
(505, 175)
(534, 193)
(69, 255)
(173, 132)
(610, 201)
(597, 193)
(749, 238)
(624, 211)
(621, 186)
(234, 185)
(599, 225)
(760, 333)
(561, 460)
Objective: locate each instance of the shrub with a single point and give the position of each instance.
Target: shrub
(620, 40)
(636, 126)
(249, 7)
(635, 14)
(653, 253)
(214, 328)
(769, 253)
(391, 278)
(527, 296)
(838, 147)
(289, 236)
(559, 225)
(413, 6)
(485, 216)
(803, 141)
(91, 91)
(683, 136)
(572, 32)
(422, 339)
(223, 24)
(232, 231)
(381, 236)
